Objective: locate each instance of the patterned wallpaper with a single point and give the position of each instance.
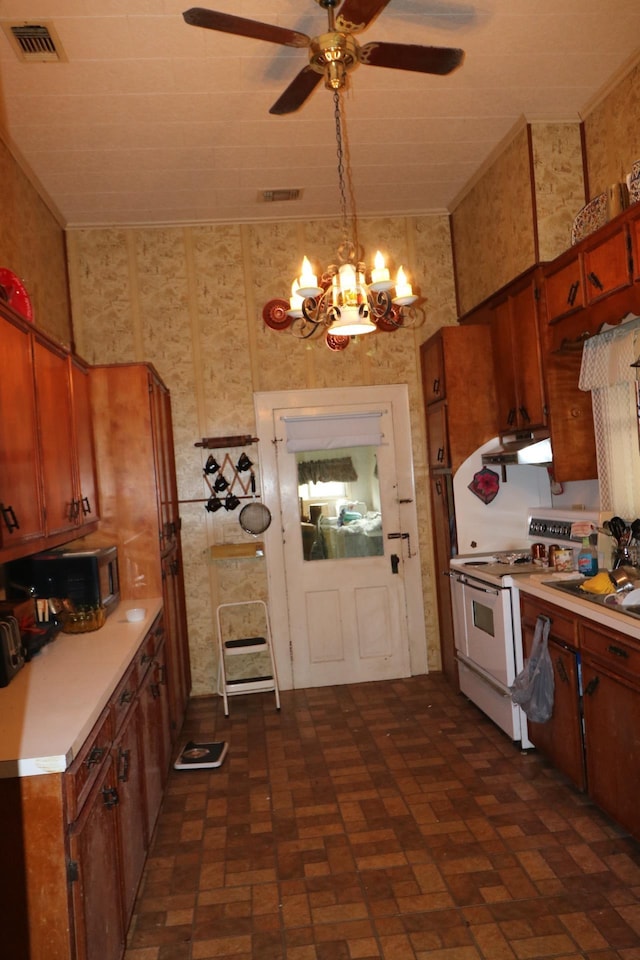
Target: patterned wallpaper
(32, 245)
(189, 300)
(558, 183)
(612, 134)
(492, 226)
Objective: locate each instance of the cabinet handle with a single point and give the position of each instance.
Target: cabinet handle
(440, 457)
(124, 763)
(155, 691)
(436, 385)
(591, 686)
(162, 674)
(95, 756)
(86, 506)
(9, 517)
(595, 280)
(511, 416)
(524, 414)
(562, 672)
(618, 651)
(110, 797)
(438, 488)
(125, 697)
(146, 658)
(573, 292)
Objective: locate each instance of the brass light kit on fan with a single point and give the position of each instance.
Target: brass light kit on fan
(341, 304)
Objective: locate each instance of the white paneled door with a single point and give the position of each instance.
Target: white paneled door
(345, 597)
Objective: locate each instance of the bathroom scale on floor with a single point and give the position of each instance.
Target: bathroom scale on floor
(201, 756)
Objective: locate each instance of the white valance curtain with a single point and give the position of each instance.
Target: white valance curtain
(333, 431)
(607, 372)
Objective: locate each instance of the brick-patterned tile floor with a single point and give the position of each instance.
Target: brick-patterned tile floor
(384, 820)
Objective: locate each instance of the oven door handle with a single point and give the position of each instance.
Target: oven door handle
(474, 585)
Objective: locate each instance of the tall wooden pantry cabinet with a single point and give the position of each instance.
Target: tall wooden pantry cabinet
(139, 503)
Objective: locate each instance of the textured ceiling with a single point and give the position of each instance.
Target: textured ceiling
(150, 120)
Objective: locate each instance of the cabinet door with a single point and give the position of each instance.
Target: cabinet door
(437, 435)
(527, 357)
(53, 391)
(560, 738)
(433, 378)
(155, 735)
(21, 509)
(607, 265)
(612, 721)
(178, 673)
(444, 541)
(132, 820)
(86, 492)
(93, 848)
(504, 366)
(564, 287)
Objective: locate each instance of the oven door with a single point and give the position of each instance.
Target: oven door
(483, 629)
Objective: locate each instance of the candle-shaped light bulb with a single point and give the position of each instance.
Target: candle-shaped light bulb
(380, 279)
(380, 272)
(308, 282)
(403, 288)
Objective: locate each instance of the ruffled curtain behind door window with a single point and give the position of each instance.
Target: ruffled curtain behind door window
(607, 372)
(334, 470)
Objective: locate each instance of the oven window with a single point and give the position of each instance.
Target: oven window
(483, 618)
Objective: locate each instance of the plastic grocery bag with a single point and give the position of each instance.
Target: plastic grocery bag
(533, 688)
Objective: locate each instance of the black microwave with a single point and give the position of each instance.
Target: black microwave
(86, 577)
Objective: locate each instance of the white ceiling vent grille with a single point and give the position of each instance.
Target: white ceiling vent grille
(35, 42)
(278, 196)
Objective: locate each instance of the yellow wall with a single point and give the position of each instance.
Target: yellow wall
(612, 133)
(190, 300)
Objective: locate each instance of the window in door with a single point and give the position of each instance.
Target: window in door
(339, 496)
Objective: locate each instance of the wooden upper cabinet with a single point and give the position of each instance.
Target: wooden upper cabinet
(564, 286)
(517, 359)
(53, 392)
(607, 264)
(434, 385)
(465, 417)
(86, 484)
(21, 507)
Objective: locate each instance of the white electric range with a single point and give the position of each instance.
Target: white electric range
(486, 615)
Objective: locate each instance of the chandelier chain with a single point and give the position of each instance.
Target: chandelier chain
(340, 156)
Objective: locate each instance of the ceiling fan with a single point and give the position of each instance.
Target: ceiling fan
(333, 54)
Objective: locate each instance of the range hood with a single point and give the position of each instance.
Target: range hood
(531, 448)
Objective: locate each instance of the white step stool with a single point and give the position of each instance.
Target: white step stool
(245, 647)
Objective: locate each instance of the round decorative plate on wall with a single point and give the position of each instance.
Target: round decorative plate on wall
(13, 292)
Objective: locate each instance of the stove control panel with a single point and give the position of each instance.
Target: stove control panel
(550, 529)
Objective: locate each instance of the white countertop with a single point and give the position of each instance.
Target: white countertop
(608, 617)
(50, 707)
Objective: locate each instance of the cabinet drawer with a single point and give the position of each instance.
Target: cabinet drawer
(150, 646)
(84, 770)
(607, 265)
(124, 696)
(612, 649)
(564, 287)
(563, 625)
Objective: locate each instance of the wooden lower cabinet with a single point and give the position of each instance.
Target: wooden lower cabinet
(611, 678)
(606, 718)
(81, 838)
(94, 872)
(560, 738)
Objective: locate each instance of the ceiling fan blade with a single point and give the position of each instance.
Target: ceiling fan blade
(301, 87)
(356, 15)
(225, 23)
(406, 56)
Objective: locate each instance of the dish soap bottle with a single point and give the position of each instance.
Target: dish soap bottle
(587, 559)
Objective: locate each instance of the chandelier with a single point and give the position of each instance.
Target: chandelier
(342, 304)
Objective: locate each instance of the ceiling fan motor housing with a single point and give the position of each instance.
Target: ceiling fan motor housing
(333, 55)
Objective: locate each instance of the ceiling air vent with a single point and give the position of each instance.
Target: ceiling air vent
(278, 196)
(34, 42)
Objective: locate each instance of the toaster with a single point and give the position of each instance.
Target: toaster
(11, 652)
